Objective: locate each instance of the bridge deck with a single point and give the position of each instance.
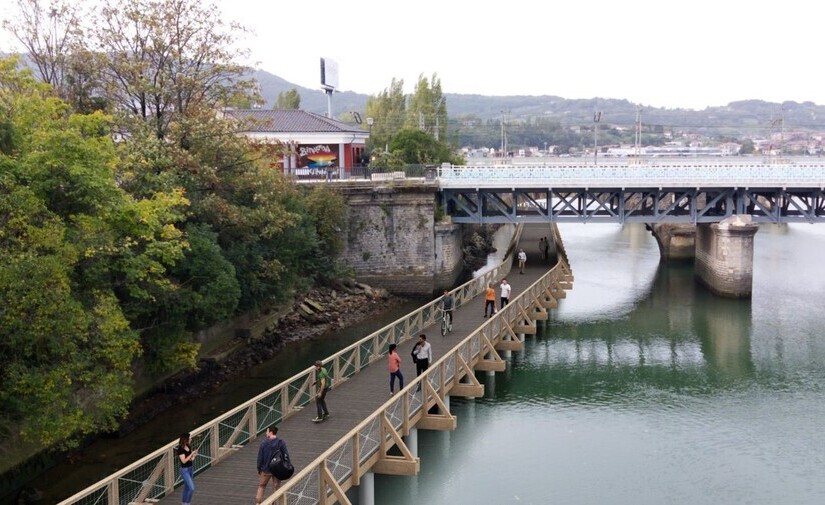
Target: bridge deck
(234, 479)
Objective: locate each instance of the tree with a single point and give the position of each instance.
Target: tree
(427, 108)
(50, 34)
(72, 242)
(327, 208)
(66, 354)
(388, 110)
(162, 58)
(288, 100)
(417, 147)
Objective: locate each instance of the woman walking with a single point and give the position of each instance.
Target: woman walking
(186, 454)
(394, 363)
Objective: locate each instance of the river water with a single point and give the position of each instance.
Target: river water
(644, 388)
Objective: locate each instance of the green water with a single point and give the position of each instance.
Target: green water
(644, 388)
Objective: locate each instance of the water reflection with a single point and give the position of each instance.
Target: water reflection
(643, 388)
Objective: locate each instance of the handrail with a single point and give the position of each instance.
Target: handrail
(342, 465)
(157, 473)
(619, 173)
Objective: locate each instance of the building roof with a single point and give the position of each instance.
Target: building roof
(289, 121)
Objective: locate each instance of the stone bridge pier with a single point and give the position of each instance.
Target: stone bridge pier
(722, 252)
(676, 241)
(724, 256)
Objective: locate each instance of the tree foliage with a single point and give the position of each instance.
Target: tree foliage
(162, 58)
(388, 111)
(288, 100)
(427, 108)
(396, 118)
(68, 234)
(132, 217)
(50, 32)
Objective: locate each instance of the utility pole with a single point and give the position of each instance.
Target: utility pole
(502, 133)
(597, 116)
(638, 131)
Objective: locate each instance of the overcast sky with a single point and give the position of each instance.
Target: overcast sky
(655, 53)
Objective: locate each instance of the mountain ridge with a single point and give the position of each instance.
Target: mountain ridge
(753, 114)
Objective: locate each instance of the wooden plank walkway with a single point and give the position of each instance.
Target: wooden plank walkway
(234, 480)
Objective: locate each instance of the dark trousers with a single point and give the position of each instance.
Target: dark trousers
(321, 403)
(504, 301)
(421, 365)
(491, 304)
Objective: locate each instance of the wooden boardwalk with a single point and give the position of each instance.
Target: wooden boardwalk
(234, 480)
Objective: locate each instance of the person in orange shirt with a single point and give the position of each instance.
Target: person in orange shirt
(394, 363)
(490, 300)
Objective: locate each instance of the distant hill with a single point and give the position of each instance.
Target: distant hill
(734, 118)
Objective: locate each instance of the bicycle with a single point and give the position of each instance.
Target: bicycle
(446, 321)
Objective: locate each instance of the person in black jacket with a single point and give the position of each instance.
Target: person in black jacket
(265, 453)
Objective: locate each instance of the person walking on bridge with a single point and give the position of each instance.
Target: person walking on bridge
(323, 382)
(266, 451)
(186, 454)
(394, 363)
(490, 300)
(505, 290)
(522, 260)
(423, 353)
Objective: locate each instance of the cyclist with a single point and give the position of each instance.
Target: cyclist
(448, 303)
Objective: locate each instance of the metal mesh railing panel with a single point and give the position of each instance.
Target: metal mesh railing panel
(415, 401)
(268, 411)
(369, 439)
(97, 497)
(339, 463)
(227, 428)
(449, 369)
(399, 331)
(307, 490)
(297, 393)
(347, 363)
(395, 414)
(366, 353)
(203, 443)
(132, 484)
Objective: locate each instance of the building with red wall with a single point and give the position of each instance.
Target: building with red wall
(315, 144)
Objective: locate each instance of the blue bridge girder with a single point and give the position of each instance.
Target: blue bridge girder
(628, 205)
(673, 191)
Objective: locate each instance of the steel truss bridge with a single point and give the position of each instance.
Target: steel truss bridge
(788, 190)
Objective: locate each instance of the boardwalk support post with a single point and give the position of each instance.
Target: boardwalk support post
(441, 422)
(470, 389)
(491, 361)
(328, 483)
(406, 464)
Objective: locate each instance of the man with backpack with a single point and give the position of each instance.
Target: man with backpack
(270, 446)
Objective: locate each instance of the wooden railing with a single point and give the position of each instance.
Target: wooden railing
(158, 473)
(326, 479)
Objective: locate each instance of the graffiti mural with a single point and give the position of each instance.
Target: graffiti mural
(320, 156)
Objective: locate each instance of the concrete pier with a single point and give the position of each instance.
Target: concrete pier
(676, 241)
(724, 256)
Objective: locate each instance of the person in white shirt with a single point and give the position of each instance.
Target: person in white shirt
(522, 259)
(505, 289)
(423, 353)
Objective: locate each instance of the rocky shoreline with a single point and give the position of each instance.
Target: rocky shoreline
(312, 315)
